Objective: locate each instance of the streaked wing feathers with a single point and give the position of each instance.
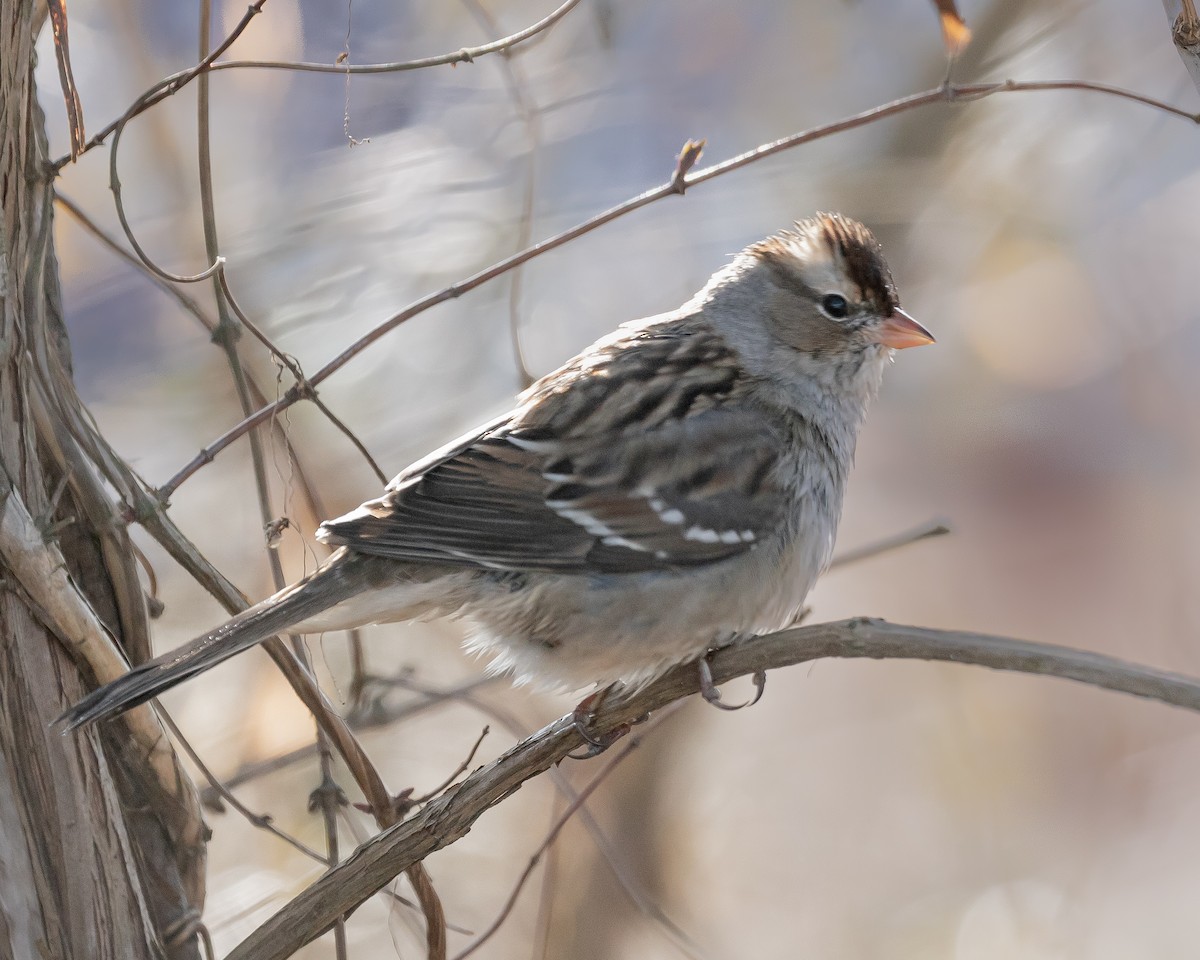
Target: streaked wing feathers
(657, 471)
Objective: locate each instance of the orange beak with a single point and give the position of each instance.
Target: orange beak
(900, 330)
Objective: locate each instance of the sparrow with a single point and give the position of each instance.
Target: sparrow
(676, 484)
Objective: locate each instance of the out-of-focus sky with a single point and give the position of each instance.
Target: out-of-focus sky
(863, 810)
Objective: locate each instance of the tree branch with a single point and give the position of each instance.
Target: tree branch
(450, 816)
(946, 93)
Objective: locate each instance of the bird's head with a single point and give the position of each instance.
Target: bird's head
(828, 309)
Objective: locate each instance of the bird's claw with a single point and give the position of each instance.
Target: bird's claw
(709, 691)
(584, 715)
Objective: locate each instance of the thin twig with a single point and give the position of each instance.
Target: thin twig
(465, 55)
(942, 94)
(227, 337)
(546, 896)
(168, 86)
(260, 820)
(192, 307)
(293, 367)
(66, 76)
(932, 528)
(545, 845)
(528, 111)
(461, 768)
(114, 184)
(359, 720)
(625, 878)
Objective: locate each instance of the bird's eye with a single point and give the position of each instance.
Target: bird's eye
(835, 305)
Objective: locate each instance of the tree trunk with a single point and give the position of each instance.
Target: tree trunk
(101, 840)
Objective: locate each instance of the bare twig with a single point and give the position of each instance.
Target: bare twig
(518, 92)
(293, 367)
(260, 820)
(947, 93)
(461, 768)
(171, 85)
(465, 55)
(114, 184)
(192, 307)
(227, 335)
(933, 528)
(547, 842)
(363, 719)
(168, 86)
(466, 694)
(546, 896)
(449, 817)
(344, 60)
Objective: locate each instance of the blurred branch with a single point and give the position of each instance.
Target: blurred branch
(946, 93)
(171, 85)
(227, 334)
(449, 817)
(166, 87)
(547, 842)
(368, 719)
(149, 512)
(1185, 32)
(293, 367)
(518, 91)
(262, 821)
(191, 306)
(465, 55)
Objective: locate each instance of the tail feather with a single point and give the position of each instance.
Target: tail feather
(333, 583)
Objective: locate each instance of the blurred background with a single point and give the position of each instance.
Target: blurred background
(862, 809)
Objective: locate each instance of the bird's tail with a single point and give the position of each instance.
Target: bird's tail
(333, 582)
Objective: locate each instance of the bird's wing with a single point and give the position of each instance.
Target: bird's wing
(635, 461)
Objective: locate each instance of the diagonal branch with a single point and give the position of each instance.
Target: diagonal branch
(946, 93)
(451, 816)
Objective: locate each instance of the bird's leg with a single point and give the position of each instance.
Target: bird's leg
(584, 716)
(709, 691)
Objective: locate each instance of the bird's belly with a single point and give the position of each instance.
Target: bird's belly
(568, 632)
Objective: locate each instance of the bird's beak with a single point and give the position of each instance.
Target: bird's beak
(900, 330)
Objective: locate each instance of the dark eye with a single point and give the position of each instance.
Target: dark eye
(835, 305)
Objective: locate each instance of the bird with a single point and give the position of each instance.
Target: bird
(675, 485)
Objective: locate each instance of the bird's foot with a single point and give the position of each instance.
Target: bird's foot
(709, 691)
(584, 716)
